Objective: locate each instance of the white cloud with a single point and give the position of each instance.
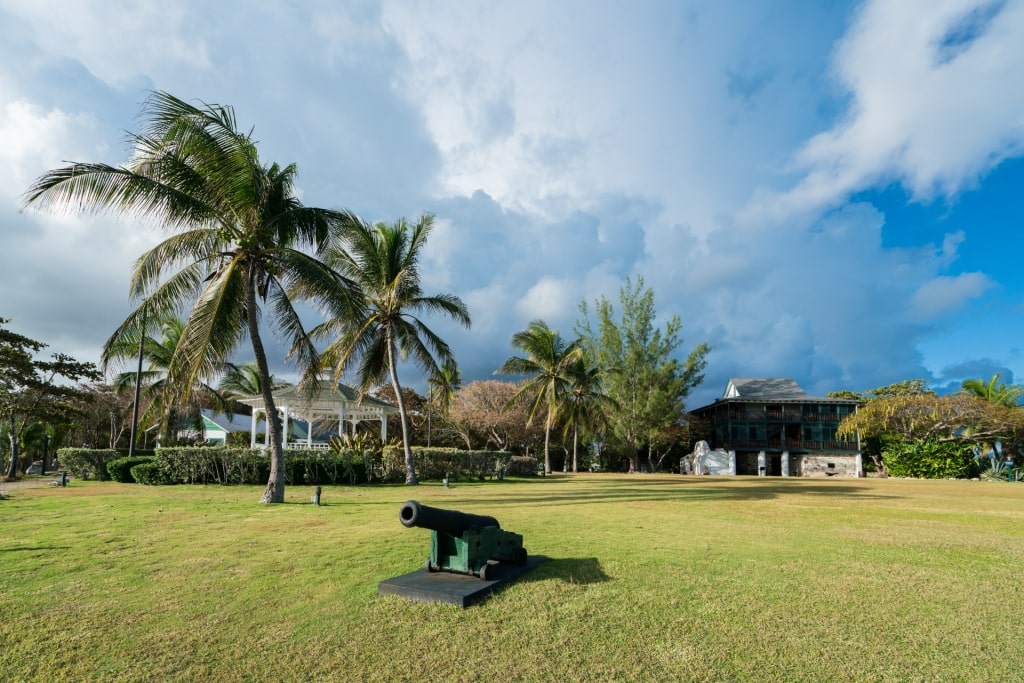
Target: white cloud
(947, 294)
(933, 120)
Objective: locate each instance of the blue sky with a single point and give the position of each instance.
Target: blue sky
(824, 191)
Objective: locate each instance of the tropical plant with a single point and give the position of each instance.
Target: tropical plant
(244, 380)
(441, 392)
(34, 391)
(548, 363)
(238, 243)
(641, 371)
(169, 404)
(993, 390)
(382, 262)
(587, 405)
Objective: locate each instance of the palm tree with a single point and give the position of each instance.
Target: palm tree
(548, 361)
(995, 391)
(244, 380)
(239, 235)
(382, 261)
(586, 403)
(443, 387)
(167, 403)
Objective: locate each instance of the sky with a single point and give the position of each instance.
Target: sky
(831, 192)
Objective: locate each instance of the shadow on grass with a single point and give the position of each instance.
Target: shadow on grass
(686, 490)
(572, 570)
(31, 548)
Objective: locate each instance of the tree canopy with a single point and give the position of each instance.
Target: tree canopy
(34, 390)
(640, 370)
(240, 243)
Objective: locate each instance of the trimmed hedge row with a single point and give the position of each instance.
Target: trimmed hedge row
(435, 463)
(121, 469)
(219, 465)
(86, 463)
(206, 465)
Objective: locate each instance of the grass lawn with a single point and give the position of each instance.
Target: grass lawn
(650, 578)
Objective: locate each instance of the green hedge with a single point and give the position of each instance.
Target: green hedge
(121, 469)
(930, 459)
(218, 465)
(434, 463)
(522, 466)
(150, 473)
(86, 463)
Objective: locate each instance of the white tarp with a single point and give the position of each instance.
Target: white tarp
(707, 461)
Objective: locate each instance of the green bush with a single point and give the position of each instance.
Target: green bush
(121, 469)
(521, 466)
(929, 459)
(435, 463)
(86, 463)
(150, 473)
(220, 465)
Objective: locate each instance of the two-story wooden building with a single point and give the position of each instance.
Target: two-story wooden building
(771, 427)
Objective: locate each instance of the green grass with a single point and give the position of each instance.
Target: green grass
(650, 578)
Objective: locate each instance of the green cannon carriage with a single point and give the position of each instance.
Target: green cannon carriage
(462, 543)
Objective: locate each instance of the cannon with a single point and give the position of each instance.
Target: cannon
(462, 543)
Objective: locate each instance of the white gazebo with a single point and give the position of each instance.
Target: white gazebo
(332, 402)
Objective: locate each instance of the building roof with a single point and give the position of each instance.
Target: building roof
(328, 393)
(764, 389)
(770, 390)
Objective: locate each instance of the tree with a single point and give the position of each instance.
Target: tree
(415, 406)
(927, 419)
(994, 391)
(587, 406)
(548, 362)
(382, 263)
(239, 235)
(441, 392)
(640, 371)
(32, 390)
(169, 404)
(485, 416)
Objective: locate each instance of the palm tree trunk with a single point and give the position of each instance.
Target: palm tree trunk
(410, 468)
(547, 443)
(12, 470)
(575, 440)
(274, 493)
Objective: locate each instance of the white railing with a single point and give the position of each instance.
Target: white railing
(302, 445)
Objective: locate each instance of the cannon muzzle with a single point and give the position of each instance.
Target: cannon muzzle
(451, 522)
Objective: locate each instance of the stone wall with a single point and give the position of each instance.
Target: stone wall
(828, 465)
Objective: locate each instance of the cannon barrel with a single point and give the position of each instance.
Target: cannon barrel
(451, 522)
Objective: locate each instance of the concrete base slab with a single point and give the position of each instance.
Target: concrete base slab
(454, 589)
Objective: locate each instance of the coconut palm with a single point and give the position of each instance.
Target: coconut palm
(586, 403)
(244, 380)
(167, 405)
(238, 245)
(444, 385)
(382, 261)
(548, 361)
(995, 391)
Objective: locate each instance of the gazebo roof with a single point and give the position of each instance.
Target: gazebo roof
(329, 397)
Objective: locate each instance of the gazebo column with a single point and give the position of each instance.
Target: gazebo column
(284, 421)
(252, 428)
(383, 427)
(341, 420)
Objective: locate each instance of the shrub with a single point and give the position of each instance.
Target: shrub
(929, 459)
(435, 463)
(86, 463)
(521, 466)
(121, 469)
(150, 473)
